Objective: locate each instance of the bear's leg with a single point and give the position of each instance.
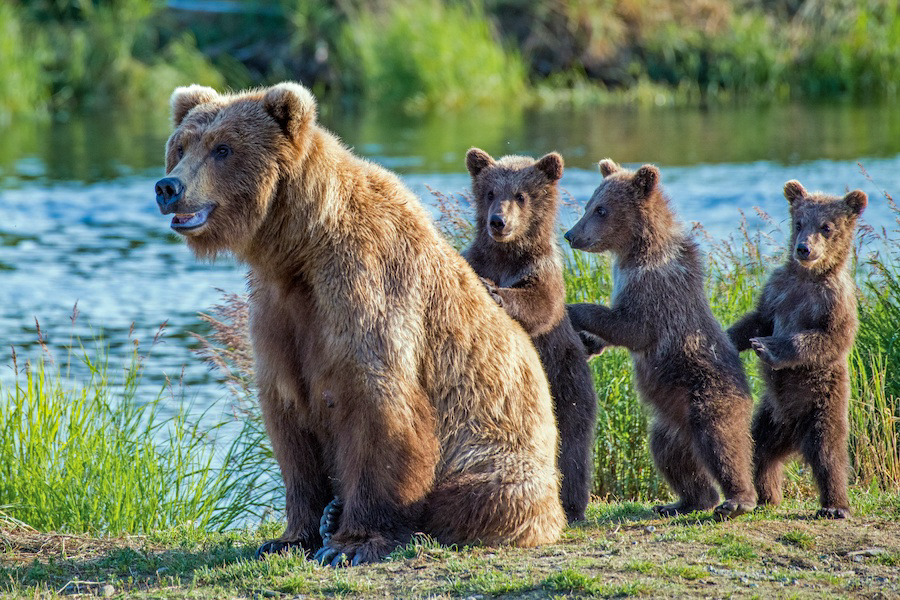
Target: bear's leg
(385, 464)
(674, 455)
(306, 488)
(825, 448)
(773, 443)
(721, 435)
(576, 409)
(505, 500)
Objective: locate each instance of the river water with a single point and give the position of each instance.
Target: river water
(79, 222)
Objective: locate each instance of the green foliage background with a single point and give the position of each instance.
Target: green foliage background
(60, 55)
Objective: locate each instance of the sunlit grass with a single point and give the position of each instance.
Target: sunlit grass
(84, 453)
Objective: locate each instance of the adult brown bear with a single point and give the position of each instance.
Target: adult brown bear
(386, 374)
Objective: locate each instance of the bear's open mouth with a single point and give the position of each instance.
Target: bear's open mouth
(183, 222)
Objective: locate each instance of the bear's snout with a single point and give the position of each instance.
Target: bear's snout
(169, 191)
(802, 251)
(497, 223)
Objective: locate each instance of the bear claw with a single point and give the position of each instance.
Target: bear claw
(833, 513)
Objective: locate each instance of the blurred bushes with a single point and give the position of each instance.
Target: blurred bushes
(446, 54)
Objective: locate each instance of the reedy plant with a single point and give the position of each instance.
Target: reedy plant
(90, 455)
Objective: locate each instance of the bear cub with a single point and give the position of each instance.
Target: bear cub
(802, 329)
(685, 366)
(517, 254)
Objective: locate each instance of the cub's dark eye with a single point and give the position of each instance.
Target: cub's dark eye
(179, 151)
(601, 211)
(520, 197)
(490, 195)
(222, 151)
(798, 226)
(826, 228)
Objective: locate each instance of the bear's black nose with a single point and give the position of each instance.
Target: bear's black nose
(497, 222)
(802, 251)
(168, 192)
(568, 236)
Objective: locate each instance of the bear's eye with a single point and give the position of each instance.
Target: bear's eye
(520, 197)
(826, 228)
(222, 151)
(490, 195)
(179, 151)
(601, 211)
(798, 226)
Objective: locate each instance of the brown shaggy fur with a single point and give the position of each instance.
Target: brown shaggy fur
(516, 251)
(386, 373)
(685, 366)
(802, 330)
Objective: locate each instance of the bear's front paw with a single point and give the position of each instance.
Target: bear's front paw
(335, 554)
(594, 345)
(279, 547)
(764, 350)
(491, 287)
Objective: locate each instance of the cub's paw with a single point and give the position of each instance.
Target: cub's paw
(491, 287)
(833, 513)
(731, 509)
(765, 352)
(594, 345)
(278, 547)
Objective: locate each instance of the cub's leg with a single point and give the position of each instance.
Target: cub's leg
(572, 388)
(721, 432)
(773, 443)
(675, 457)
(299, 456)
(825, 448)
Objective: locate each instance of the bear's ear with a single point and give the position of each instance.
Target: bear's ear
(794, 191)
(292, 107)
(856, 201)
(551, 165)
(478, 160)
(607, 167)
(645, 179)
(185, 98)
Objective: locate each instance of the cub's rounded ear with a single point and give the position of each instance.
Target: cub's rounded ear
(551, 165)
(478, 160)
(794, 191)
(607, 167)
(645, 179)
(856, 201)
(292, 107)
(185, 98)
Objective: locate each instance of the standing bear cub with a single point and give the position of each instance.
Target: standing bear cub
(387, 375)
(685, 366)
(516, 252)
(802, 330)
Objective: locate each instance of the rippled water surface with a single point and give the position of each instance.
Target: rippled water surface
(79, 222)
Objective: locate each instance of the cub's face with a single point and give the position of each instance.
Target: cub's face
(223, 165)
(514, 194)
(612, 214)
(823, 227)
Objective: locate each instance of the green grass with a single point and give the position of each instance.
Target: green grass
(87, 454)
(429, 55)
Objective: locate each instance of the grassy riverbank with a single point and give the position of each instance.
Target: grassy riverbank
(449, 54)
(621, 550)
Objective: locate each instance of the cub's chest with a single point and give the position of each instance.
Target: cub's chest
(800, 308)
